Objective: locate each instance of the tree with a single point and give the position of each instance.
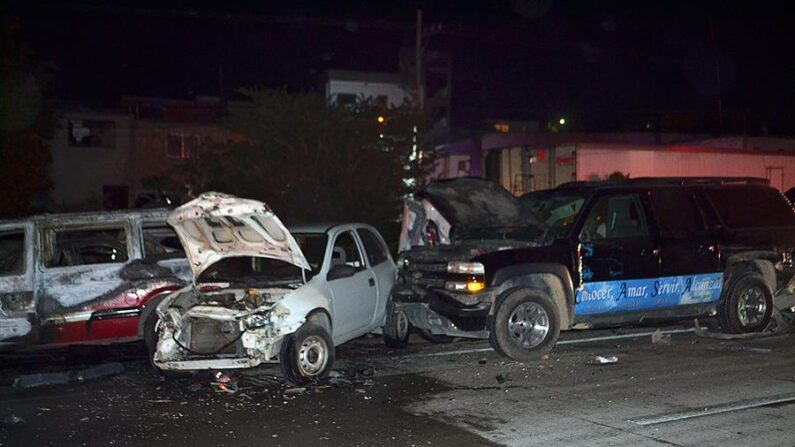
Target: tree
(315, 161)
(617, 176)
(26, 126)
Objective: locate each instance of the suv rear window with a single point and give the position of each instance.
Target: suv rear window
(676, 213)
(751, 207)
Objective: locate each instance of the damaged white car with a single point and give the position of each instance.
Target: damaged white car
(262, 293)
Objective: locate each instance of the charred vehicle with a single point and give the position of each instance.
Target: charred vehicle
(85, 278)
(262, 293)
(602, 254)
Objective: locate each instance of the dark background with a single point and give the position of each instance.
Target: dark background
(604, 64)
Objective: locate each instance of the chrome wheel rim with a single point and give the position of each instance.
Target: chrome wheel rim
(751, 307)
(312, 355)
(528, 325)
(402, 324)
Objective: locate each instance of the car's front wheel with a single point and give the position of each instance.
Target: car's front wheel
(746, 306)
(525, 325)
(307, 355)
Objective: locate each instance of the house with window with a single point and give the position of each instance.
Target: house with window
(102, 156)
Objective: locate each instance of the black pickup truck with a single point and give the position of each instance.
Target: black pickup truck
(478, 263)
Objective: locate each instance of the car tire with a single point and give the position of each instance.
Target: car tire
(525, 325)
(397, 327)
(746, 304)
(307, 355)
(434, 338)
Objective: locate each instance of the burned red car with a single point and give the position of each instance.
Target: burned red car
(85, 278)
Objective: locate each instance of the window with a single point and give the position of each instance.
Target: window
(744, 207)
(376, 253)
(615, 217)
(676, 213)
(313, 246)
(182, 146)
(346, 252)
(160, 242)
(12, 252)
(81, 247)
(91, 133)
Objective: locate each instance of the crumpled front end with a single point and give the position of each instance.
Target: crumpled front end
(222, 329)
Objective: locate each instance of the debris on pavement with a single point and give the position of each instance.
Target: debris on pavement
(502, 378)
(778, 325)
(224, 383)
(658, 338)
(601, 360)
(62, 378)
(482, 362)
(12, 420)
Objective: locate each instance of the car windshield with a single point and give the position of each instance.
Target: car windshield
(313, 245)
(558, 211)
(251, 270)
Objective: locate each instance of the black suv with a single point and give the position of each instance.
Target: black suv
(482, 264)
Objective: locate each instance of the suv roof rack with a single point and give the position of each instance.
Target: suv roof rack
(679, 181)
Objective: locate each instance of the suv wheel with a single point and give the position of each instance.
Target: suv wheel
(307, 355)
(396, 327)
(746, 306)
(525, 325)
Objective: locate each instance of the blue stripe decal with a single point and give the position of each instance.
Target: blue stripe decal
(641, 294)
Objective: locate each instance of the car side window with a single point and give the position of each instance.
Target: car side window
(161, 242)
(676, 213)
(376, 253)
(82, 247)
(346, 252)
(615, 217)
(12, 252)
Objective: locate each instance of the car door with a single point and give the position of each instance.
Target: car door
(617, 257)
(382, 266)
(689, 255)
(17, 304)
(354, 296)
(79, 271)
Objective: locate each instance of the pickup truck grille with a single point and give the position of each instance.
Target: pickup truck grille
(430, 275)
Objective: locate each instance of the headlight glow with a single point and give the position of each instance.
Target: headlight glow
(466, 268)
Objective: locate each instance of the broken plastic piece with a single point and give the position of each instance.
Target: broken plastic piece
(606, 360)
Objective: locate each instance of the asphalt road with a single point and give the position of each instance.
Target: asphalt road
(684, 391)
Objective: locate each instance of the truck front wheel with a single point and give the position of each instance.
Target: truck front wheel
(525, 325)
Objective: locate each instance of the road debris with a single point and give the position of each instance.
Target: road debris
(224, 383)
(659, 338)
(503, 377)
(601, 360)
(62, 378)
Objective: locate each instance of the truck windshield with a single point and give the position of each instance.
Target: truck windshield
(557, 211)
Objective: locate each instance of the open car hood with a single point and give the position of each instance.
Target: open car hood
(461, 203)
(472, 202)
(216, 226)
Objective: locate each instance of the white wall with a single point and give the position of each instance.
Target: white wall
(594, 163)
(395, 95)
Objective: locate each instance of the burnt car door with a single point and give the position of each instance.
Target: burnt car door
(353, 287)
(79, 275)
(617, 256)
(17, 306)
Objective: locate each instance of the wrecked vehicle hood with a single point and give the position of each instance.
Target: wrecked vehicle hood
(466, 209)
(472, 202)
(216, 226)
(462, 251)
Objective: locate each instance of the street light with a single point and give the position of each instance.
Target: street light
(562, 121)
(380, 119)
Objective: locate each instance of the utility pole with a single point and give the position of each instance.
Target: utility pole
(418, 49)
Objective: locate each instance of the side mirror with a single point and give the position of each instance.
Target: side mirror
(340, 271)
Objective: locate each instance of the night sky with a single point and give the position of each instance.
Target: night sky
(603, 63)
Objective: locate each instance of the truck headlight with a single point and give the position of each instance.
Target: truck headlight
(472, 286)
(466, 268)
